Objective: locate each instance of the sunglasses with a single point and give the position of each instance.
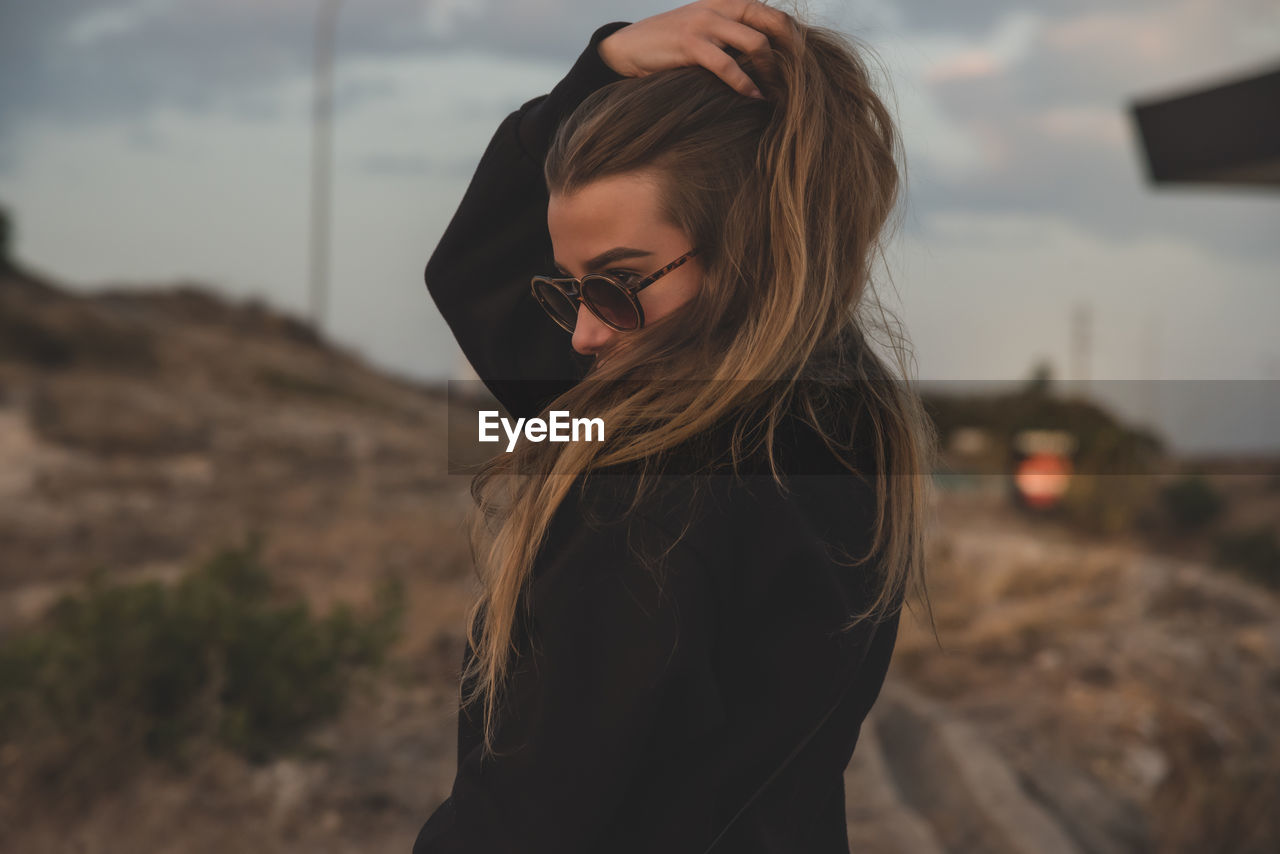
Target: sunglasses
(613, 302)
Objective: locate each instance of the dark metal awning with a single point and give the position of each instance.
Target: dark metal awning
(1227, 134)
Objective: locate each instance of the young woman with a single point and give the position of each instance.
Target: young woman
(681, 628)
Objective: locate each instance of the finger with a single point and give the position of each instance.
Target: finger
(744, 38)
(752, 42)
(767, 19)
(723, 66)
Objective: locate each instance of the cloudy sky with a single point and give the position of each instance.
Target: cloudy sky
(154, 140)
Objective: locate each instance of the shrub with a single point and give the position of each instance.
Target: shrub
(1192, 502)
(125, 671)
(1108, 503)
(1255, 553)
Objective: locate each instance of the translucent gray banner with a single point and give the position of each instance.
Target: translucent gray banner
(1104, 427)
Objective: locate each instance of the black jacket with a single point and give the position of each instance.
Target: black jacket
(653, 704)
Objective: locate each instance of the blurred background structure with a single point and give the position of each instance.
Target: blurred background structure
(232, 570)
(1224, 134)
(322, 157)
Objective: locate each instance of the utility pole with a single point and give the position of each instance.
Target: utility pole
(322, 157)
(1081, 346)
(1150, 368)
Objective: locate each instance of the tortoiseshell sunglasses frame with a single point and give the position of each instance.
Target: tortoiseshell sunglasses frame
(571, 287)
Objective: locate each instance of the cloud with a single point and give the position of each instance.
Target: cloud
(80, 62)
(1051, 126)
(975, 17)
(1009, 42)
(73, 62)
(395, 164)
(1013, 106)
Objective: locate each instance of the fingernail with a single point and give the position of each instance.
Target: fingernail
(756, 93)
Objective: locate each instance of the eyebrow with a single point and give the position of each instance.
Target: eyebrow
(604, 259)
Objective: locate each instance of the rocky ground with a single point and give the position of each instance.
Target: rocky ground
(1080, 694)
(1130, 695)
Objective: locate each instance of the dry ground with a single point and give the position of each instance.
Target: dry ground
(1129, 696)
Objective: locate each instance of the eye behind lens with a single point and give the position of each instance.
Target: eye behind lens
(560, 307)
(610, 302)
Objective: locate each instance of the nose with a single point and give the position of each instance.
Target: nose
(589, 334)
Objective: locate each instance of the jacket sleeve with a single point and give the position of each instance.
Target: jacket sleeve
(615, 648)
(479, 273)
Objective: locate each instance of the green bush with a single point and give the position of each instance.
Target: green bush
(123, 671)
(1108, 503)
(1254, 552)
(1192, 502)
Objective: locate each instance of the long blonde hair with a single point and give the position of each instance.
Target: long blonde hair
(788, 200)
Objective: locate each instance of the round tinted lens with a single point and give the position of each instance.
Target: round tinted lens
(559, 306)
(610, 301)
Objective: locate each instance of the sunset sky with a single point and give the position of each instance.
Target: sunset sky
(156, 140)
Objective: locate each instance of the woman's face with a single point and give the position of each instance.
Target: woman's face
(612, 226)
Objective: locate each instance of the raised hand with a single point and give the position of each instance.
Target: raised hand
(699, 34)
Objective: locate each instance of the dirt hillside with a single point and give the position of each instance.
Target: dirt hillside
(1081, 694)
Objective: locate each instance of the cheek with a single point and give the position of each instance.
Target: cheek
(670, 298)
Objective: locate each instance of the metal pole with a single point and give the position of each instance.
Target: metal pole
(322, 157)
(1081, 347)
